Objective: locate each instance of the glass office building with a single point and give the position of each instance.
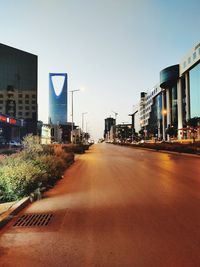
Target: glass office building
(18, 87)
(58, 98)
(174, 107)
(194, 79)
(178, 100)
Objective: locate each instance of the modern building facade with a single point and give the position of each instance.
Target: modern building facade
(181, 91)
(58, 98)
(136, 118)
(109, 122)
(18, 87)
(172, 102)
(123, 132)
(46, 137)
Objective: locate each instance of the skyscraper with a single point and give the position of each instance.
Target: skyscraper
(109, 122)
(58, 98)
(18, 88)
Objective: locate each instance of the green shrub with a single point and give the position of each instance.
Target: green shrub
(32, 147)
(19, 178)
(55, 164)
(8, 152)
(74, 148)
(32, 169)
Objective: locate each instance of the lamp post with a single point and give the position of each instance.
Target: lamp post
(83, 113)
(164, 115)
(72, 91)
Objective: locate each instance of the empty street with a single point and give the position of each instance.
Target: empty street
(115, 207)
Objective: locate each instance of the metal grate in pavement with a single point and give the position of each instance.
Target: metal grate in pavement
(33, 220)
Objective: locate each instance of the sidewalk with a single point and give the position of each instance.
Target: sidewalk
(9, 209)
(6, 206)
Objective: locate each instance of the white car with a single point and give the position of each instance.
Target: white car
(14, 143)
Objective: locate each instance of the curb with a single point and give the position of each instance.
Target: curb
(172, 152)
(9, 214)
(180, 153)
(165, 151)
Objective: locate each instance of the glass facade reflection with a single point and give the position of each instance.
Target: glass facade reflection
(18, 82)
(154, 127)
(174, 111)
(58, 99)
(194, 79)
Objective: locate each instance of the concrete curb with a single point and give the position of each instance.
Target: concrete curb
(170, 152)
(173, 152)
(9, 214)
(179, 153)
(165, 151)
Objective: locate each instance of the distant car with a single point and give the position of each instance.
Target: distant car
(14, 143)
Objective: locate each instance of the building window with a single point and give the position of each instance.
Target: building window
(33, 107)
(189, 60)
(27, 113)
(20, 107)
(26, 101)
(19, 101)
(194, 55)
(33, 102)
(27, 108)
(20, 95)
(10, 95)
(20, 113)
(1, 101)
(33, 96)
(26, 96)
(1, 96)
(10, 88)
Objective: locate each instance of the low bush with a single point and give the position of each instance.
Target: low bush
(18, 178)
(176, 147)
(33, 168)
(8, 152)
(74, 148)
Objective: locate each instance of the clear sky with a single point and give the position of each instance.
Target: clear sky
(113, 48)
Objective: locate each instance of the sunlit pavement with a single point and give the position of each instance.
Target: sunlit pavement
(116, 206)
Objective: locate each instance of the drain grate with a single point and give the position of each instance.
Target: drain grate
(32, 220)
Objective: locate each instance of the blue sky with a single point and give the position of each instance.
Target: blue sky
(113, 48)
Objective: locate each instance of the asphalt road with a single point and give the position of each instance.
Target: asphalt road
(116, 206)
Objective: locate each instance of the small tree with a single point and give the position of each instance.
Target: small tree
(141, 132)
(170, 130)
(193, 123)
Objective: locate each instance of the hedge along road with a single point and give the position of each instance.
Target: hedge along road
(116, 206)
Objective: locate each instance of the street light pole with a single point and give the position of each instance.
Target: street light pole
(72, 136)
(83, 113)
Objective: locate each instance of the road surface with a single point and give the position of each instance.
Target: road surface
(115, 207)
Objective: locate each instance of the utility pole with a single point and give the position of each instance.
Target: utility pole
(72, 136)
(83, 113)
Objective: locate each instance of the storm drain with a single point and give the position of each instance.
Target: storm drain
(33, 220)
